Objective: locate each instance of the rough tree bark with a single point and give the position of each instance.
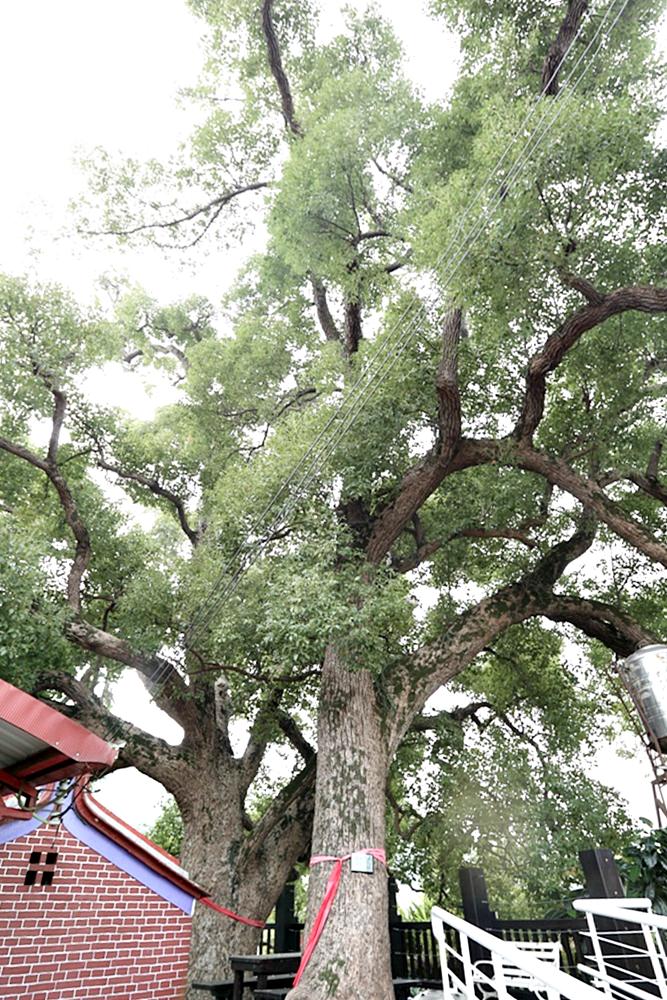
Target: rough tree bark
(245, 871)
(212, 838)
(352, 957)
(361, 722)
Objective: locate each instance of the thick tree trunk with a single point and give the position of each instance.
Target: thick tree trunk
(212, 839)
(244, 873)
(351, 961)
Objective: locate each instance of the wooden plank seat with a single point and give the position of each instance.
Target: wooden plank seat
(401, 990)
(225, 990)
(221, 991)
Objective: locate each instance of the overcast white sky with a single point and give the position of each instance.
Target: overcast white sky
(76, 74)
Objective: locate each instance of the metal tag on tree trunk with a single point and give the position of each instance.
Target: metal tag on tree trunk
(362, 862)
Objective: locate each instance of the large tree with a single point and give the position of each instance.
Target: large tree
(87, 592)
(514, 423)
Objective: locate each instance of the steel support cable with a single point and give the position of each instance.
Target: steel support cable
(384, 353)
(377, 360)
(391, 348)
(245, 551)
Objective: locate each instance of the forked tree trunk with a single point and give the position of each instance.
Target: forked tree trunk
(351, 961)
(213, 835)
(215, 855)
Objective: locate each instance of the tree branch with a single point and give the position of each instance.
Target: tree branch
(426, 723)
(566, 34)
(648, 483)
(396, 265)
(287, 824)
(581, 285)
(70, 510)
(616, 629)
(424, 552)
(162, 680)
(400, 813)
(394, 178)
(421, 554)
(447, 387)
(436, 663)
(654, 462)
(281, 680)
(589, 493)
(327, 322)
(295, 736)
(260, 735)
(270, 716)
(512, 534)
(148, 753)
(214, 206)
(649, 486)
(353, 331)
(642, 298)
(372, 234)
(59, 405)
(426, 475)
(157, 489)
(277, 70)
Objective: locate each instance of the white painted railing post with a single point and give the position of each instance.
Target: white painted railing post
(444, 969)
(597, 951)
(467, 964)
(655, 961)
(499, 976)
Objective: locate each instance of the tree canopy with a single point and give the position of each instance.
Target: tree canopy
(457, 317)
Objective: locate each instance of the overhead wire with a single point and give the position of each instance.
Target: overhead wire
(386, 358)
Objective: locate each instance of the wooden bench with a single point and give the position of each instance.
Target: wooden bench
(402, 989)
(221, 991)
(225, 990)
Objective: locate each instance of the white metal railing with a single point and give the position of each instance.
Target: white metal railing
(627, 962)
(512, 965)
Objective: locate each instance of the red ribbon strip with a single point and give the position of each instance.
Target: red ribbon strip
(329, 896)
(230, 913)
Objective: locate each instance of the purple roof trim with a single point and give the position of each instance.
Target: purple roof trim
(108, 848)
(17, 828)
(122, 859)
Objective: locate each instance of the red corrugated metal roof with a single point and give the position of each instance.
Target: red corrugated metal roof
(38, 744)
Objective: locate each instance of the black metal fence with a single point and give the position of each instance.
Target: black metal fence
(267, 942)
(414, 950)
(291, 938)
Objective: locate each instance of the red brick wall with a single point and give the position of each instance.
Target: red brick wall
(94, 934)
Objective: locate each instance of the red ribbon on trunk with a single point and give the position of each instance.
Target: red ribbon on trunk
(207, 901)
(329, 896)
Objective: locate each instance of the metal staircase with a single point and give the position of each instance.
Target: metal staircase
(625, 957)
